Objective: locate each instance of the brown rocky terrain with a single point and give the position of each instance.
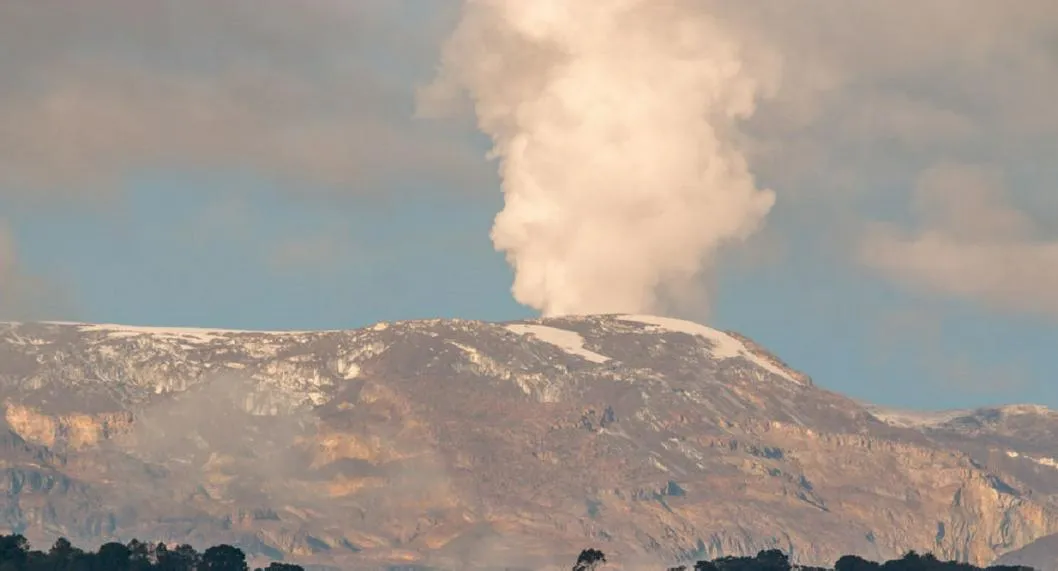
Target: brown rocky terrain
(459, 444)
(1041, 554)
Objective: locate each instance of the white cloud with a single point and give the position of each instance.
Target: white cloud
(970, 243)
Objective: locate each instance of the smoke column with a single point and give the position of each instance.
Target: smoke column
(615, 124)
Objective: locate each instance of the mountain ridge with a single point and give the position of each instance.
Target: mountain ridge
(466, 443)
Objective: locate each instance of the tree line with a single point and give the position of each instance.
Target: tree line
(776, 560)
(17, 555)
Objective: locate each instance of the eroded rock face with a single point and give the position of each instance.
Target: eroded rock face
(468, 444)
(1041, 554)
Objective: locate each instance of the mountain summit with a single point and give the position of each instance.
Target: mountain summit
(466, 444)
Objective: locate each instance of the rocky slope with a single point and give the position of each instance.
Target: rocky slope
(465, 444)
(1041, 554)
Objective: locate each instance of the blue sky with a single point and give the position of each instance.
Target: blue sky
(313, 199)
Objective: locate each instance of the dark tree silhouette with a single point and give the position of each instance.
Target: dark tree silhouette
(855, 563)
(13, 551)
(139, 555)
(776, 560)
(15, 555)
(705, 566)
(182, 557)
(277, 566)
(113, 557)
(589, 559)
(773, 560)
(223, 558)
(63, 550)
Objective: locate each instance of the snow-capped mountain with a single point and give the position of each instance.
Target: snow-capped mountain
(467, 444)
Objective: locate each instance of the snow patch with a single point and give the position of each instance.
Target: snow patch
(187, 333)
(924, 419)
(178, 333)
(569, 341)
(1049, 462)
(351, 371)
(915, 418)
(1015, 409)
(724, 345)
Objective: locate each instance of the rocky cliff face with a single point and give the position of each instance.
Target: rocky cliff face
(1041, 554)
(466, 444)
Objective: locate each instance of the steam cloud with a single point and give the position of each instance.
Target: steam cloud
(615, 122)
